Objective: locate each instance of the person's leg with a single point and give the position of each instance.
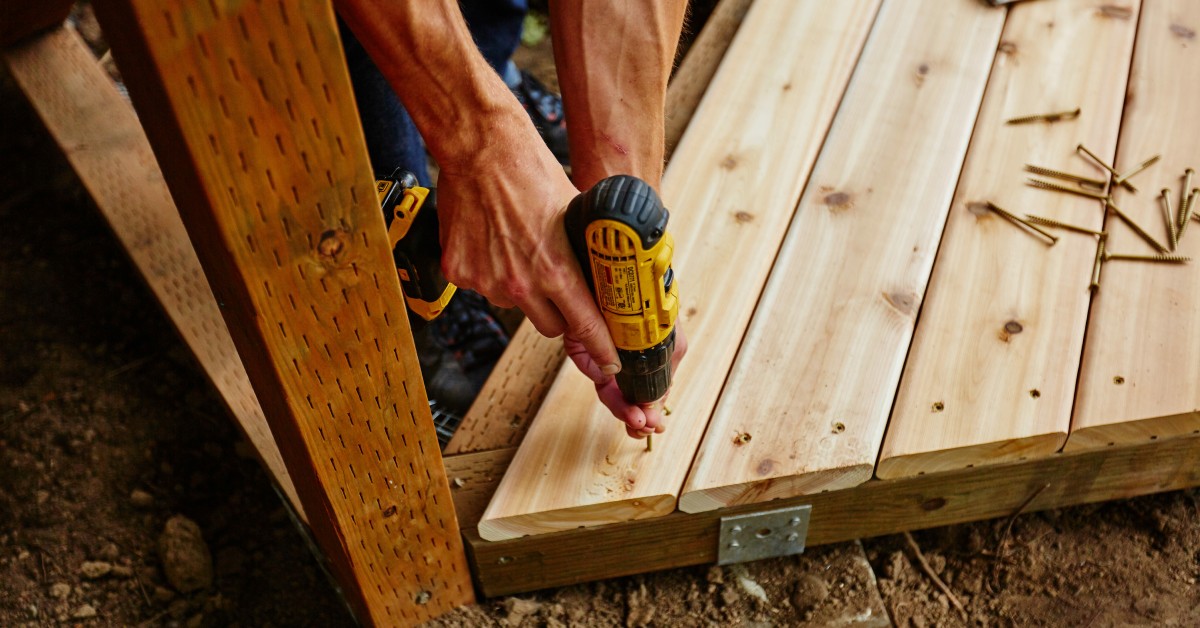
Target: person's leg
(496, 27)
(392, 138)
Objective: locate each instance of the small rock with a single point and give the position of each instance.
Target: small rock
(93, 569)
(141, 499)
(729, 596)
(518, 609)
(122, 571)
(41, 497)
(716, 575)
(109, 552)
(810, 591)
(163, 594)
(84, 612)
(185, 558)
(60, 590)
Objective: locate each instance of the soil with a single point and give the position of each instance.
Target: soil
(108, 431)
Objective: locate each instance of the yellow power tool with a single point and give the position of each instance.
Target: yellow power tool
(410, 212)
(618, 230)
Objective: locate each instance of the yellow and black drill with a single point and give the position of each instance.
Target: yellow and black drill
(618, 230)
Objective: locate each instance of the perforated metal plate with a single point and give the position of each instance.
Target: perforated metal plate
(763, 535)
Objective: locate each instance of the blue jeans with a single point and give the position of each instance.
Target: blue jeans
(392, 138)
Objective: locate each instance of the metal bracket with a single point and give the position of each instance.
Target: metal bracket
(761, 535)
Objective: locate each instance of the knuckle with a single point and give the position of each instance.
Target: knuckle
(517, 288)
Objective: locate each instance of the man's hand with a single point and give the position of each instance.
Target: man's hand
(501, 216)
(641, 420)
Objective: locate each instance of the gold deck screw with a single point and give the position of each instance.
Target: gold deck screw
(1136, 227)
(1046, 222)
(1017, 221)
(1189, 211)
(1095, 285)
(1066, 176)
(1183, 199)
(1054, 187)
(1046, 117)
(1172, 229)
(1166, 259)
(650, 442)
(1140, 167)
(1083, 149)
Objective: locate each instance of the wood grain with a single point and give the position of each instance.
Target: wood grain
(992, 369)
(691, 79)
(871, 509)
(806, 403)
(248, 107)
(105, 145)
(732, 186)
(1140, 378)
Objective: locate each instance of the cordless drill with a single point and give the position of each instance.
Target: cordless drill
(618, 230)
(410, 213)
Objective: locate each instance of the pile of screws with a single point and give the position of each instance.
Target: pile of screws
(1101, 190)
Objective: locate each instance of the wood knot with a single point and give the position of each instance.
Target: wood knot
(765, 467)
(839, 427)
(742, 438)
(1182, 32)
(1114, 12)
(935, 503)
(904, 303)
(691, 311)
(730, 162)
(743, 217)
(938, 406)
(332, 243)
(1007, 48)
(1013, 327)
(787, 87)
(922, 72)
(979, 208)
(838, 201)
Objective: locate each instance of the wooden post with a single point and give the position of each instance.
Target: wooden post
(248, 108)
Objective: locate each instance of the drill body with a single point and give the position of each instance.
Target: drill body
(618, 231)
(410, 213)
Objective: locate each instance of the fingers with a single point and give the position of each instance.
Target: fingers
(586, 325)
(544, 316)
(584, 362)
(640, 420)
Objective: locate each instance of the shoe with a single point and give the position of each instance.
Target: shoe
(545, 108)
(457, 351)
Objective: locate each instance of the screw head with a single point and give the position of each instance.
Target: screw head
(734, 544)
(793, 537)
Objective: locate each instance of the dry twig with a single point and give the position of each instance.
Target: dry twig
(941, 585)
(1000, 545)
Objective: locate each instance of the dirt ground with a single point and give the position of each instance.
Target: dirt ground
(108, 430)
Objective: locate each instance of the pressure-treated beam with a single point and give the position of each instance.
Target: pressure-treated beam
(248, 108)
(1140, 379)
(806, 402)
(732, 187)
(991, 372)
(871, 509)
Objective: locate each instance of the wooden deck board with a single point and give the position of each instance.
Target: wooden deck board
(732, 185)
(992, 369)
(806, 403)
(1140, 378)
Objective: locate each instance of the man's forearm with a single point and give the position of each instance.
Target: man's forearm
(456, 99)
(615, 57)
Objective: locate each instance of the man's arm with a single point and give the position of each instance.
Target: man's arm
(614, 59)
(501, 193)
